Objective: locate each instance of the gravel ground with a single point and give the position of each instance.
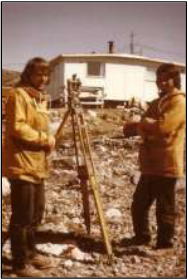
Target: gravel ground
(63, 235)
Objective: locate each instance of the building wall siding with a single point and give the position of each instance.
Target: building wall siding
(121, 81)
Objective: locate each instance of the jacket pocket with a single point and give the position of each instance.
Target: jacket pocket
(33, 161)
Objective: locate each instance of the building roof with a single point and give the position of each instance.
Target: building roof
(113, 57)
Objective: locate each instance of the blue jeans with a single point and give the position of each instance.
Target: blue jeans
(27, 202)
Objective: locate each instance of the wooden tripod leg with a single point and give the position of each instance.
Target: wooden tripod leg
(100, 212)
(86, 207)
(84, 140)
(83, 176)
(86, 135)
(61, 126)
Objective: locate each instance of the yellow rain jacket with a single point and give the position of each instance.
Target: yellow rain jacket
(163, 132)
(26, 136)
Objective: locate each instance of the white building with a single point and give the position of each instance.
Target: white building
(120, 76)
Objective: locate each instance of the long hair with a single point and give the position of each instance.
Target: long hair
(172, 71)
(31, 66)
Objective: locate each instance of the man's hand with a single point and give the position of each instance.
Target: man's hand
(149, 120)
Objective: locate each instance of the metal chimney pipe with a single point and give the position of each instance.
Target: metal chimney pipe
(111, 46)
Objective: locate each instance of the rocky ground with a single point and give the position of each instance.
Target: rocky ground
(63, 235)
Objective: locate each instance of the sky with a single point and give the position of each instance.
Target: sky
(48, 29)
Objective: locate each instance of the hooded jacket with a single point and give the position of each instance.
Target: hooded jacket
(26, 136)
(163, 134)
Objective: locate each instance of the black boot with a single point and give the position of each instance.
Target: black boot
(165, 236)
(164, 244)
(137, 240)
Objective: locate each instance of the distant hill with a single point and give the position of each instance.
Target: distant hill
(9, 78)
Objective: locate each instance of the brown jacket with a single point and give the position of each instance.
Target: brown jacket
(26, 136)
(163, 132)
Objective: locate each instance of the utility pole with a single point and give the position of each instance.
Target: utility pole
(132, 43)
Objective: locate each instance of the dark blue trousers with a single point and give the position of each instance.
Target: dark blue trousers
(161, 190)
(27, 202)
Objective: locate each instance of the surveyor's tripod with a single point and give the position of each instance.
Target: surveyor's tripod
(84, 160)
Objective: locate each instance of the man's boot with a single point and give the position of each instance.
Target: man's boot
(136, 240)
(165, 236)
(28, 271)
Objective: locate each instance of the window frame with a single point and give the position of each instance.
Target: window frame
(102, 69)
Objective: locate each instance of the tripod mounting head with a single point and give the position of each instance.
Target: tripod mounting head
(73, 86)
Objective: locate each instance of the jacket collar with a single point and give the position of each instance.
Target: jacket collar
(38, 95)
(171, 95)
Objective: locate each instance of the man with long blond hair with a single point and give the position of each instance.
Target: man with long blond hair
(27, 142)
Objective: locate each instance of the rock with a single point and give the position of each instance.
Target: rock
(127, 235)
(68, 264)
(92, 113)
(101, 148)
(5, 187)
(6, 247)
(52, 227)
(53, 249)
(54, 195)
(181, 184)
(135, 260)
(69, 174)
(78, 255)
(135, 178)
(76, 220)
(113, 215)
(118, 171)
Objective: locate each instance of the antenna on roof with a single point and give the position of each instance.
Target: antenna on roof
(132, 43)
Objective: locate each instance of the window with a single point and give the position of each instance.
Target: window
(96, 69)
